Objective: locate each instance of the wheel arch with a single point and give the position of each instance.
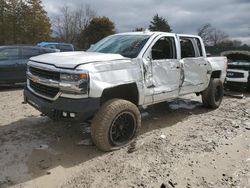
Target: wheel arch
(216, 74)
(127, 91)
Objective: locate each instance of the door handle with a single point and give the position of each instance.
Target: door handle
(174, 67)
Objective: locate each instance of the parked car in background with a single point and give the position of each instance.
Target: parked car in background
(63, 47)
(238, 73)
(13, 62)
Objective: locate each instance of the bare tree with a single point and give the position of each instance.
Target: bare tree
(211, 35)
(237, 43)
(204, 32)
(69, 24)
(218, 36)
(84, 15)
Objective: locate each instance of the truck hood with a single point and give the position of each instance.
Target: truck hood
(71, 60)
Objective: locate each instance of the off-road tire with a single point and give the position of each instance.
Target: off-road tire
(103, 121)
(213, 95)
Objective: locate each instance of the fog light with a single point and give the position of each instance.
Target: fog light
(64, 114)
(72, 115)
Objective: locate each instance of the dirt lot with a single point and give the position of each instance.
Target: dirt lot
(181, 144)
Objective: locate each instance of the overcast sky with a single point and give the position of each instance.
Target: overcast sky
(184, 16)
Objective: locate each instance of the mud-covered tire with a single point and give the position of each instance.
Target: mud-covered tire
(115, 118)
(213, 95)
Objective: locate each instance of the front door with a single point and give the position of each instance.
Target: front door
(165, 69)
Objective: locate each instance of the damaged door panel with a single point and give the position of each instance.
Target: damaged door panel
(195, 65)
(166, 69)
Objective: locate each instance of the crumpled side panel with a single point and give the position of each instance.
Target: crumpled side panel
(112, 73)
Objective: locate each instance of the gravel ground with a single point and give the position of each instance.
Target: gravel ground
(181, 144)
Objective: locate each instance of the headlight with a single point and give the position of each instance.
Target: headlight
(73, 77)
(77, 83)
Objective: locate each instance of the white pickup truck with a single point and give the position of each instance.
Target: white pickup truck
(117, 76)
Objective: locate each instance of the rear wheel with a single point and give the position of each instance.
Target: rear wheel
(213, 95)
(115, 125)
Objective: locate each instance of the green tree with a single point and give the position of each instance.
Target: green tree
(159, 24)
(11, 21)
(98, 28)
(3, 11)
(38, 22)
(23, 22)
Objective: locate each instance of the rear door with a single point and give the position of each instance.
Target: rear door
(194, 63)
(9, 57)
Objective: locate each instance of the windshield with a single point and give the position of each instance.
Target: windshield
(125, 45)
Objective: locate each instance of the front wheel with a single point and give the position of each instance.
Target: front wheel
(213, 95)
(115, 125)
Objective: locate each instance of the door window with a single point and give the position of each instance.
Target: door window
(9, 53)
(30, 52)
(187, 48)
(52, 46)
(164, 48)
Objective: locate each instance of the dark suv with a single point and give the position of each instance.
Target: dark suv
(13, 60)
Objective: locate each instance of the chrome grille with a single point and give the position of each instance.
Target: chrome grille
(45, 73)
(44, 82)
(235, 74)
(46, 91)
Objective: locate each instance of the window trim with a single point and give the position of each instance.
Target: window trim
(200, 51)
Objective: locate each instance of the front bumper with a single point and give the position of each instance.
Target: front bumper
(82, 108)
(236, 85)
(237, 79)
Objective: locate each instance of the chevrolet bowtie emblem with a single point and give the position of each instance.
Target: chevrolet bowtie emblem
(34, 79)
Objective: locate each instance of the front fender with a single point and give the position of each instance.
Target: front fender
(110, 74)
